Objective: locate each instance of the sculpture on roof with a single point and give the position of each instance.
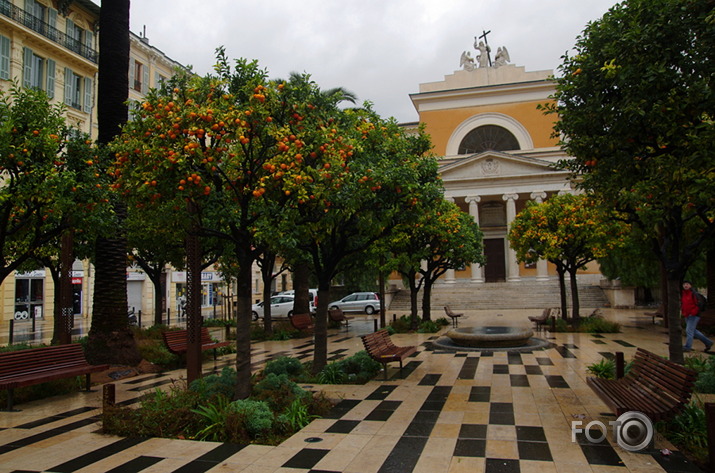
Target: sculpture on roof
(482, 58)
(502, 57)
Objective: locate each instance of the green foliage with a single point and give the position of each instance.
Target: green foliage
(428, 326)
(219, 323)
(442, 321)
(706, 374)
(401, 325)
(213, 385)
(598, 325)
(155, 352)
(605, 369)
(296, 416)
(214, 415)
(292, 367)
(278, 391)
(688, 431)
(256, 415)
(332, 373)
(17, 347)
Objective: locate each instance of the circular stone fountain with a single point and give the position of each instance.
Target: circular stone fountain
(490, 338)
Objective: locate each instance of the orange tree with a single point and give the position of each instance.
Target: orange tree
(439, 238)
(635, 108)
(229, 144)
(364, 176)
(569, 231)
(48, 177)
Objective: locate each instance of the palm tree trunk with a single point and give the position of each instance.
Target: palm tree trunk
(110, 338)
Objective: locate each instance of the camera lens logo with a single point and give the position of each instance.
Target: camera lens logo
(634, 431)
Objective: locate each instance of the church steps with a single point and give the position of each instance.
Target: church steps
(501, 296)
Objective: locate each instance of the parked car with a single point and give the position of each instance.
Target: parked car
(281, 306)
(368, 302)
(313, 297)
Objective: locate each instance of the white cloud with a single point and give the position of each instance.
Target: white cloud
(380, 50)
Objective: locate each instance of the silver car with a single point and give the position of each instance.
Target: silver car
(367, 302)
(281, 306)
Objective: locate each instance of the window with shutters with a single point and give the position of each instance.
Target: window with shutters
(79, 91)
(5, 54)
(138, 76)
(38, 72)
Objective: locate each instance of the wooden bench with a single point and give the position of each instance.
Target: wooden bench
(541, 320)
(657, 387)
(453, 315)
(336, 314)
(381, 349)
(177, 341)
(302, 322)
(39, 365)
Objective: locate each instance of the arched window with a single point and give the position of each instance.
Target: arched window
(488, 138)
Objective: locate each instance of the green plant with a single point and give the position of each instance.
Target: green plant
(706, 375)
(598, 325)
(428, 326)
(256, 415)
(214, 385)
(214, 414)
(442, 321)
(278, 391)
(296, 416)
(603, 369)
(332, 374)
(282, 334)
(155, 352)
(285, 365)
(688, 430)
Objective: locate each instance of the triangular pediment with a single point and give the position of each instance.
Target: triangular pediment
(494, 164)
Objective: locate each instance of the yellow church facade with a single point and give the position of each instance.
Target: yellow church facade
(496, 153)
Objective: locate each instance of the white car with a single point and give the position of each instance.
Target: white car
(281, 306)
(313, 297)
(367, 302)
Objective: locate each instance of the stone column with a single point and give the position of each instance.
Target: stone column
(542, 269)
(473, 201)
(449, 277)
(512, 268)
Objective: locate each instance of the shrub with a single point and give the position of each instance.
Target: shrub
(688, 430)
(427, 326)
(285, 365)
(155, 352)
(442, 321)
(706, 375)
(211, 386)
(598, 325)
(332, 373)
(255, 415)
(605, 369)
(278, 391)
(402, 324)
(296, 416)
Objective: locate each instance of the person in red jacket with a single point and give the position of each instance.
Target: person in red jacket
(690, 310)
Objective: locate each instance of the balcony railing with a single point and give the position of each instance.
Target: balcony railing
(36, 24)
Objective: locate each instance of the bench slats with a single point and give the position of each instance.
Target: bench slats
(381, 349)
(39, 365)
(655, 386)
(177, 341)
(302, 322)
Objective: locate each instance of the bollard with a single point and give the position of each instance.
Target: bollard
(108, 395)
(620, 365)
(710, 419)
(139, 319)
(394, 318)
(375, 324)
(12, 329)
(168, 317)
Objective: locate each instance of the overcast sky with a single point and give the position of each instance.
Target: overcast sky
(381, 50)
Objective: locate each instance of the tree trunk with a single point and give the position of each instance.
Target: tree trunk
(414, 291)
(243, 323)
(427, 300)
(675, 332)
(562, 292)
(110, 338)
(320, 346)
(575, 304)
(301, 284)
(266, 275)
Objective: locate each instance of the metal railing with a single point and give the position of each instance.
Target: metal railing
(24, 18)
